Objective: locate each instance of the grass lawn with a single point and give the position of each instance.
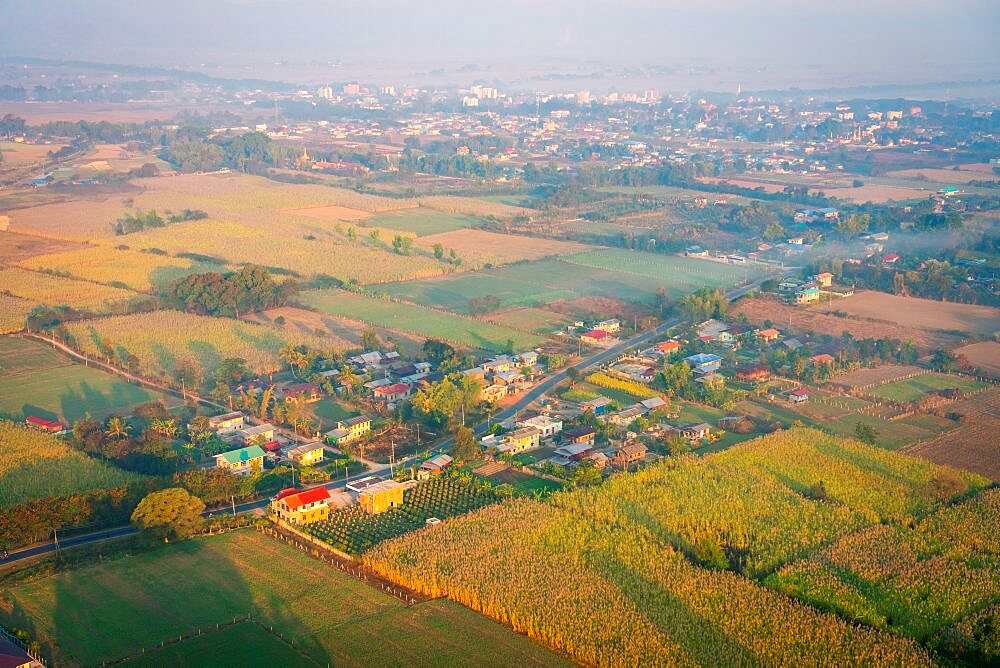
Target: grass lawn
(112, 609)
(914, 388)
(235, 646)
(36, 380)
(331, 410)
(525, 484)
(423, 221)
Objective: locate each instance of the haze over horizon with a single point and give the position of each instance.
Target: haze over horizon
(713, 44)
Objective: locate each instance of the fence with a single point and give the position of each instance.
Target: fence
(27, 647)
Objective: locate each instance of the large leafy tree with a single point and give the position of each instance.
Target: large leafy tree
(169, 513)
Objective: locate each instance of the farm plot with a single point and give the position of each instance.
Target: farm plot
(984, 356)
(973, 445)
(423, 221)
(90, 613)
(630, 544)
(529, 319)
(681, 274)
(161, 342)
(354, 531)
(18, 153)
(915, 313)
(919, 386)
(809, 320)
(15, 247)
(36, 380)
(34, 465)
(417, 320)
(342, 332)
(13, 313)
(915, 580)
(875, 376)
(478, 247)
(56, 290)
(473, 206)
(114, 266)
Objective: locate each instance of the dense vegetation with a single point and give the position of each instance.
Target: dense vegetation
(247, 290)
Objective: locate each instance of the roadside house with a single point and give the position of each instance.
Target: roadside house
(433, 466)
(303, 507)
(579, 435)
(381, 496)
(227, 422)
(245, 461)
(306, 454)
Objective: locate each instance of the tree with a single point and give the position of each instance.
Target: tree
(169, 513)
(369, 339)
(438, 252)
(866, 433)
(465, 448)
(117, 428)
(573, 374)
(402, 244)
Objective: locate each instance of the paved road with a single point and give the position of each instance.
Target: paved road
(523, 402)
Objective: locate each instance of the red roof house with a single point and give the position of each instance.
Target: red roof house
(43, 424)
(394, 392)
(667, 347)
(890, 258)
(595, 336)
(299, 499)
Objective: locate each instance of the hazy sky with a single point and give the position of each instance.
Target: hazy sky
(778, 42)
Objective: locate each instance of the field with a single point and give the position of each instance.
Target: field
(91, 613)
(341, 332)
(334, 213)
(809, 320)
(13, 312)
(423, 221)
(17, 153)
(478, 247)
(973, 444)
(658, 548)
(919, 386)
(530, 319)
(472, 206)
(15, 247)
(55, 290)
(985, 356)
(879, 375)
(610, 273)
(40, 381)
(109, 265)
(354, 531)
(915, 313)
(160, 340)
(235, 646)
(915, 580)
(34, 465)
(944, 175)
(417, 320)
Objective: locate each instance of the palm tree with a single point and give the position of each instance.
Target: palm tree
(165, 426)
(348, 378)
(117, 428)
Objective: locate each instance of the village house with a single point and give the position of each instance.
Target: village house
(653, 403)
(572, 452)
(824, 280)
(798, 396)
(498, 364)
(546, 426)
(245, 461)
(704, 363)
(768, 335)
(579, 435)
(257, 433)
(306, 454)
(735, 333)
(807, 295)
(711, 380)
(609, 326)
(381, 496)
(753, 374)
(311, 505)
(629, 453)
(308, 391)
(668, 347)
(695, 432)
(392, 394)
(823, 359)
(41, 424)
(626, 417)
(476, 373)
(433, 466)
(890, 259)
(598, 404)
(637, 372)
(494, 393)
(596, 337)
(226, 423)
(349, 430)
(529, 358)
(519, 440)
(509, 378)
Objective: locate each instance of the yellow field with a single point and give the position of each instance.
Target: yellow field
(106, 264)
(56, 291)
(13, 311)
(163, 339)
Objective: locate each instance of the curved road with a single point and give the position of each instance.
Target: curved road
(524, 401)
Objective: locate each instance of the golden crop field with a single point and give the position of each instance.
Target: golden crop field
(107, 264)
(161, 340)
(669, 549)
(13, 311)
(56, 290)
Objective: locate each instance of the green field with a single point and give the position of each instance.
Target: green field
(422, 221)
(418, 320)
(913, 389)
(34, 465)
(330, 410)
(530, 319)
(116, 608)
(43, 382)
(245, 644)
(619, 274)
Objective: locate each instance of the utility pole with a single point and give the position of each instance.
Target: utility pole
(392, 457)
(232, 499)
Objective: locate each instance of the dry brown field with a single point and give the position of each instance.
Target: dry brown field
(978, 167)
(334, 214)
(343, 333)
(984, 355)
(16, 153)
(37, 113)
(83, 219)
(974, 445)
(912, 312)
(15, 247)
(478, 247)
(768, 186)
(875, 193)
(471, 206)
(879, 375)
(802, 319)
(941, 175)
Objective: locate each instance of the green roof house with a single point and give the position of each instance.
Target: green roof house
(244, 461)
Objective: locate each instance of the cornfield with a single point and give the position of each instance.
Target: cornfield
(13, 311)
(626, 386)
(56, 290)
(107, 264)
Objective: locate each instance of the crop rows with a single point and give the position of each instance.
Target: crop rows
(355, 531)
(56, 290)
(13, 311)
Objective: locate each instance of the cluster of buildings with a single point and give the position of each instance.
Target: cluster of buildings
(258, 442)
(505, 375)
